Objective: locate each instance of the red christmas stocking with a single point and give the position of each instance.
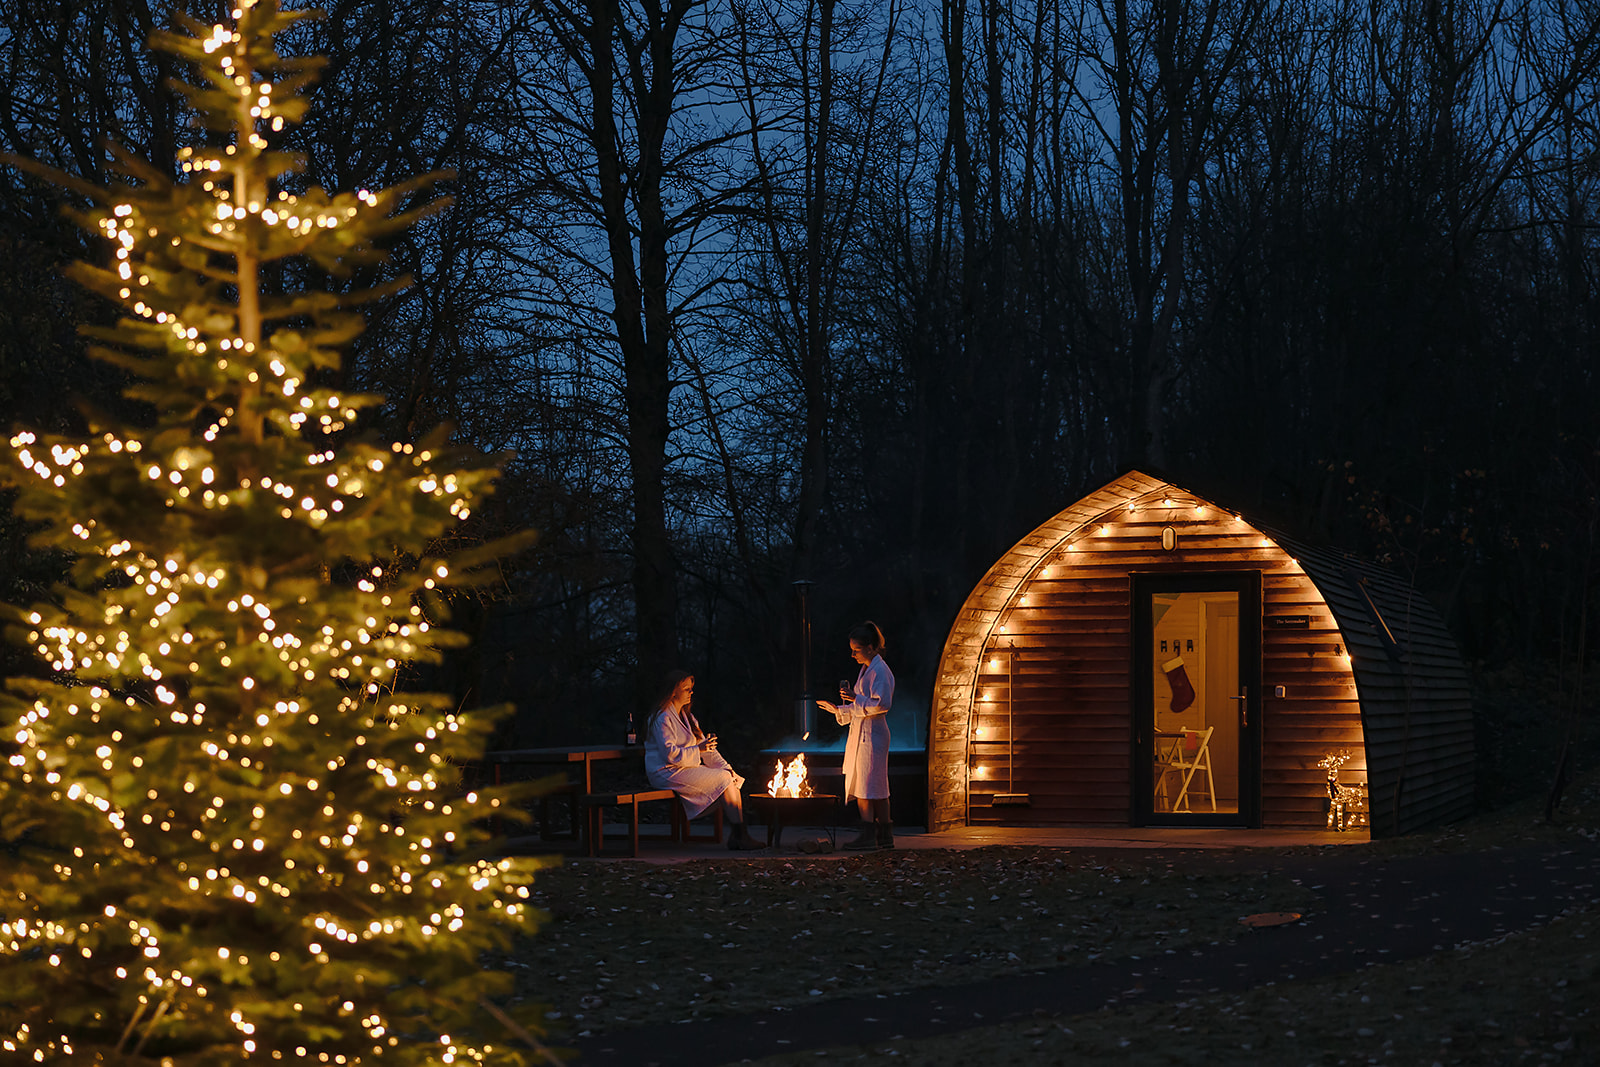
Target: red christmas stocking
(1178, 678)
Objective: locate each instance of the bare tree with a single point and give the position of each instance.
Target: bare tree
(627, 163)
(1163, 104)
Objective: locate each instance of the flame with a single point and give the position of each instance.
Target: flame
(791, 782)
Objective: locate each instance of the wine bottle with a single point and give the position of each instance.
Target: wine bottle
(633, 733)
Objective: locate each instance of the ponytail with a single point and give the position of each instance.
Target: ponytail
(868, 636)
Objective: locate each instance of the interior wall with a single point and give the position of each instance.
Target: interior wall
(1221, 636)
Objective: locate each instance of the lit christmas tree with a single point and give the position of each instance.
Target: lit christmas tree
(231, 838)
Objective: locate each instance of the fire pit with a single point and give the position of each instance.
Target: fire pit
(818, 809)
(789, 801)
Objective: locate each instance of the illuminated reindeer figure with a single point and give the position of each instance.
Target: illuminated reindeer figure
(1340, 797)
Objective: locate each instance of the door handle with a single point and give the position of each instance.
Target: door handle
(1244, 705)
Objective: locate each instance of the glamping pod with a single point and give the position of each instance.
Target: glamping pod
(1150, 658)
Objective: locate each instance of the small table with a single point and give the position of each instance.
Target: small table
(562, 755)
(778, 812)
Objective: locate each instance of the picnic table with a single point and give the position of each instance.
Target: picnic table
(581, 758)
(562, 755)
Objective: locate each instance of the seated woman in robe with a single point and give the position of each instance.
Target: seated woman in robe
(680, 756)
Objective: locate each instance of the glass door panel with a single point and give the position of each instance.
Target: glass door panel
(1193, 716)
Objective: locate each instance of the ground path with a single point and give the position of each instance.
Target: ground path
(1371, 910)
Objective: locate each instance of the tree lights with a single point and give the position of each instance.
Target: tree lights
(234, 838)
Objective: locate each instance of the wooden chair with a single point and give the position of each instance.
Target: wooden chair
(1186, 757)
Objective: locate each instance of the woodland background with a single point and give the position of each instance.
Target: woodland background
(860, 292)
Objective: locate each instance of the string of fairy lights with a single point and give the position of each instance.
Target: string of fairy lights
(150, 676)
(1079, 538)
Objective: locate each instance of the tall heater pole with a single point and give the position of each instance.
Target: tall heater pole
(805, 707)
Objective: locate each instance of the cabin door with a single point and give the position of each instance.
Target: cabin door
(1196, 692)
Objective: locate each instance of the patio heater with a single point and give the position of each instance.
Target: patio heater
(805, 708)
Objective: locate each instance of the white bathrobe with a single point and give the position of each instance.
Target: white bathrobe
(866, 750)
(674, 759)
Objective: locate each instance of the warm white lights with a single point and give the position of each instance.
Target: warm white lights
(217, 735)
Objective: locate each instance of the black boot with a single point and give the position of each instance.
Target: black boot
(866, 839)
(886, 834)
(739, 840)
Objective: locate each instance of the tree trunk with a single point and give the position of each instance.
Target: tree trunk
(643, 321)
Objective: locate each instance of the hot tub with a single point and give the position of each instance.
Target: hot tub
(824, 752)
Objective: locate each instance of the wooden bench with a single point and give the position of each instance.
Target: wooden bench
(595, 804)
(683, 831)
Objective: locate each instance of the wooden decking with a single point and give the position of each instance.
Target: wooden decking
(655, 846)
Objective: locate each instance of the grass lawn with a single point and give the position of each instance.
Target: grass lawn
(630, 943)
(1529, 998)
(1526, 998)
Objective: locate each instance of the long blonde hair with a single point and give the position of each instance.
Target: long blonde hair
(669, 685)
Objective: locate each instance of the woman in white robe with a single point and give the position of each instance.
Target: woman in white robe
(865, 707)
(680, 756)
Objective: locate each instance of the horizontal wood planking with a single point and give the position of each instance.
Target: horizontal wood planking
(948, 734)
(1072, 620)
(1066, 611)
(1414, 691)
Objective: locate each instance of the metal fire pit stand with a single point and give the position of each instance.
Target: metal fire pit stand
(821, 810)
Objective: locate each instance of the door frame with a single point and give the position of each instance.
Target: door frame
(1142, 585)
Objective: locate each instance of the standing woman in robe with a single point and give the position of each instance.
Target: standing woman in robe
(866, 750)
(680, 756)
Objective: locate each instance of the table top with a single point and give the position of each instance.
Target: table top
(562, 754)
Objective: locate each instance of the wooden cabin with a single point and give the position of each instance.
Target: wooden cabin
(1150, 657)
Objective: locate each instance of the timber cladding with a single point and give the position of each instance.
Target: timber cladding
(1034, 691)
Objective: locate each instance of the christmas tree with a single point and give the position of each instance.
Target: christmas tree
(229, 835)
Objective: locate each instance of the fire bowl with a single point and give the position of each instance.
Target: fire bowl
(779, 812)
